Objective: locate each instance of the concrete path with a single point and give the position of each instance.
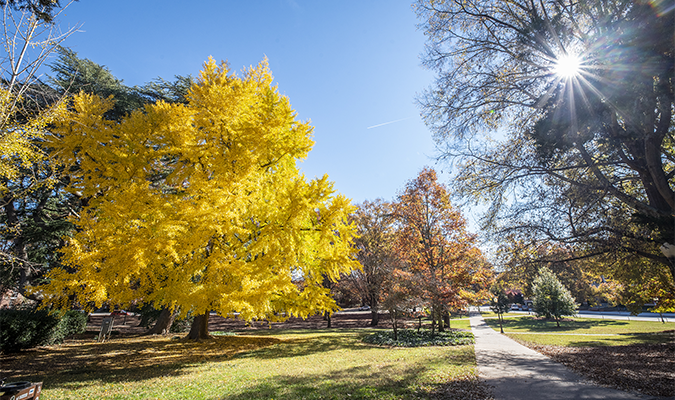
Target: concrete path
(519, 373)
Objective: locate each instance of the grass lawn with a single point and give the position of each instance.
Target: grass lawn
(585, 331)
(460, 323)
(455, 323)
(292, 364)
(490, 314)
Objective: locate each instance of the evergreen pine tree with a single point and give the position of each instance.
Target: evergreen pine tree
(551, 298)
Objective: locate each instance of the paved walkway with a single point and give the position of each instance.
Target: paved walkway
(519, 373)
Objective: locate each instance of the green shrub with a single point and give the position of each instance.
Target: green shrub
(413, 338)
(26, 328)
(71, 323)
(551, 298)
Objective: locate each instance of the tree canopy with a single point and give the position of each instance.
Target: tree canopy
(43, 10)
(33, 221)
(200, 205)
(375, 226)
(32, 207)
(434, 247)
(584, 158)
(551, 298)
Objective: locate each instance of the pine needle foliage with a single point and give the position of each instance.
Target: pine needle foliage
(551, 297)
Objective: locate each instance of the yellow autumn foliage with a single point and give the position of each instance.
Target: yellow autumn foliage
(200, 205)
(18, 136)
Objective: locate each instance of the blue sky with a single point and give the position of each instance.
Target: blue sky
(350, 67)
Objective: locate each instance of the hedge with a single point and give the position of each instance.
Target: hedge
(26, 328)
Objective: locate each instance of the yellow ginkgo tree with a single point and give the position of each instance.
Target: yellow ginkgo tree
(200, 206)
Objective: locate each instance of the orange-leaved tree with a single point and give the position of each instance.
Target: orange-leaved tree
(434, 245)
(200, 206)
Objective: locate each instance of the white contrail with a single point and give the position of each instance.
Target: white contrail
(387, 123)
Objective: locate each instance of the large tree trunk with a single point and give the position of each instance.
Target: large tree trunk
(327, 317)
(200, 327)
(374, 317)
(441, 321)
(446, 319)
(164, 322)
(394, 321)
(374, 306)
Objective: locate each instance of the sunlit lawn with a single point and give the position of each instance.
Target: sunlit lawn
(460, 324)
(332, 364)
(490, 314)
(455, 323)
(585, 331)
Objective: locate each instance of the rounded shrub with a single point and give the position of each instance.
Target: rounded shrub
(71, 323)
(26, 328)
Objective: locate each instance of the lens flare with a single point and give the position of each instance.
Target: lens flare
(567, 66)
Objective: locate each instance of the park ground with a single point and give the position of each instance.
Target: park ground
(295, 360)
(635, 356)
(303, 359)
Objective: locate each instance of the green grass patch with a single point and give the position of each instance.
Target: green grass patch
(592, 341)
(490, 314)
(463, 323)
(223, 333)
(581, 325)
(582, 332)
(294, 364)
(455, 323)
(414, 338)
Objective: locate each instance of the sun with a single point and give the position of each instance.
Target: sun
(567, 66)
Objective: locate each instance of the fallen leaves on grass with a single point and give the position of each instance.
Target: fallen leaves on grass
(121, 353)
(645, 368)
(468, 388)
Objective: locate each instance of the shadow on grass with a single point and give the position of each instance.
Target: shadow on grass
(353, 383)
(135, 359)
(626, 340)
(124, 359)
(541, 325)
(305, 343)
(138, 359)
(366, 382)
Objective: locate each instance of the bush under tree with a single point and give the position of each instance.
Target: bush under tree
(27, 328)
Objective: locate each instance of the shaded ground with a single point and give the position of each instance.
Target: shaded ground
(128, 345)
(142, 354)
(638, 358)
(646, 369)
(340, 320)
(256, 363)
